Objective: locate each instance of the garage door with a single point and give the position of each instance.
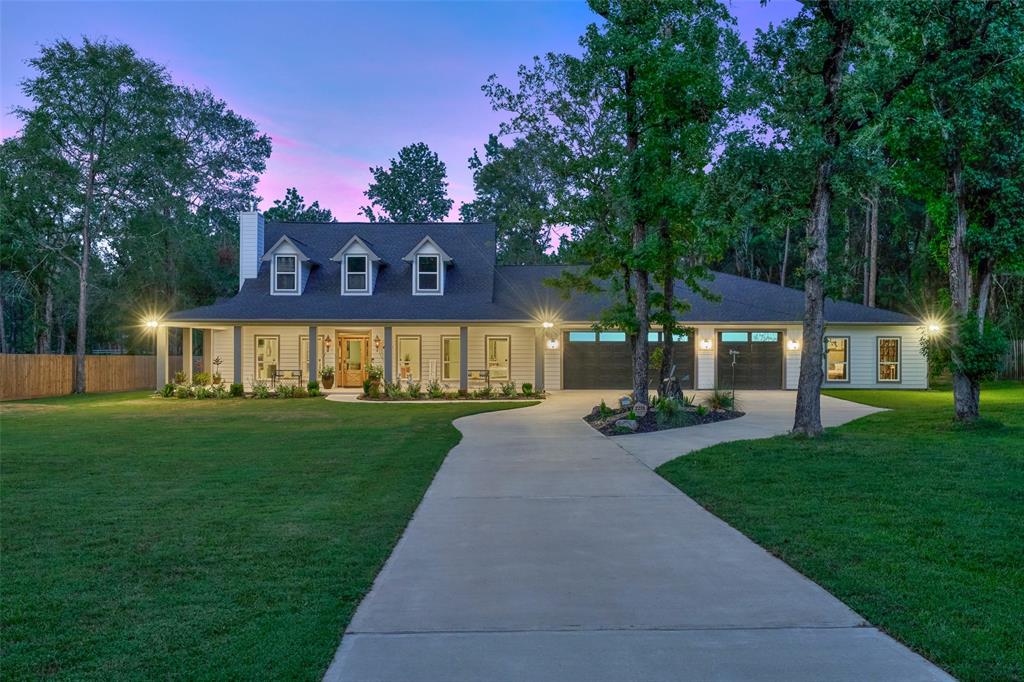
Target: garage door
(757, 355)
(604, 360)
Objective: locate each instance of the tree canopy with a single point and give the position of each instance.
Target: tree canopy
(293, 209)
(413, 189)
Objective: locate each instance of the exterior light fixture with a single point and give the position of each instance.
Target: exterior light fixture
(152, 324)
(793, 344)
(934, 327)
(547, 325)
(705, 344)
(552, 344)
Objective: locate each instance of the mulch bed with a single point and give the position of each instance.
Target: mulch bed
(649, 422)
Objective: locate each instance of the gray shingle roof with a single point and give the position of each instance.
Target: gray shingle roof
(476, 289)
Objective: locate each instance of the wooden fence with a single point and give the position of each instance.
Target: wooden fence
(38, 376)
(1013, 367)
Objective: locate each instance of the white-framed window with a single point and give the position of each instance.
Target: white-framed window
(837, 358)
(408, 360)
(357, 275)
(428, 274)
(266, 357)
(889, 359)
(451, 358)
(286, 276)
(498, 351)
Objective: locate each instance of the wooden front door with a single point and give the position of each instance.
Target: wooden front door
(353, 356)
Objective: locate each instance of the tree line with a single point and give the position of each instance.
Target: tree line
(867, 152)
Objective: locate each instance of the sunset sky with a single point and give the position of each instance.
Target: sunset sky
(338, 86)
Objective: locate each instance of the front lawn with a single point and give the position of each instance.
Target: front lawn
(915, 523)
(151, 539)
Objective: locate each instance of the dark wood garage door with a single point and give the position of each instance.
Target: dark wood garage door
(758, 359)
(603, 360)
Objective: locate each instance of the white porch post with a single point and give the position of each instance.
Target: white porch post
(161, 356)
(236, 356)
(463, 358)
(207, 350)
(186, 352)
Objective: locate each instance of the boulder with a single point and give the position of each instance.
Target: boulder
(630, 424)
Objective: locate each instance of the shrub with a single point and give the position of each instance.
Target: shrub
(326, 372)
(454, 395)
(300, 392)
(180, 377)
(688, 399)
(182, 392)
(720, 400)
(414, 390)
(219, 391)
(702, 410)
(527, 388)
(201, 379)
(393, 390)
(285, 391)
(202, 392)
(605, 410)
(435, 390)
(484, 393)
(167, 391)
(237, 390)
(366, 386)
(508, 390)
(260, 390)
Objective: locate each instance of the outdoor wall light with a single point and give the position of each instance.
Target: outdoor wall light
(152, 324)
(547, 325)
(934, 327)
(793, 344)
(552, 344)
(705, 344)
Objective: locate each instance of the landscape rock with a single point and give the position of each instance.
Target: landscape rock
(630, 424)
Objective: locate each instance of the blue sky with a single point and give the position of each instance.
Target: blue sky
(339, 86)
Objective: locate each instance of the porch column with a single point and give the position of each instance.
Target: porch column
(387, 353)
(186, 352)
(161, 356)
(538, 361)
(207, 350)
(313, 375)
(236, 353)
(463, 357)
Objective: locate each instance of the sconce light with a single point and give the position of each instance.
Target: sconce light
(378, 343)
(152, 324)
(934, 326)
(547, 325)
(793, 344)
(705, 344)
(553, 344)
(327, 344)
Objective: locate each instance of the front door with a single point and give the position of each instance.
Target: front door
(352, 360)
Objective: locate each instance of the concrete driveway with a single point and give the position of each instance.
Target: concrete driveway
(545, 551)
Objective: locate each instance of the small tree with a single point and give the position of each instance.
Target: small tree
(413, 189)
(293, 209)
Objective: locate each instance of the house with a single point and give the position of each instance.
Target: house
(428, 301)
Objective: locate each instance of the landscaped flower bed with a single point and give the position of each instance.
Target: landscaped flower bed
(435, 390)
(665, 413)
(204, 387)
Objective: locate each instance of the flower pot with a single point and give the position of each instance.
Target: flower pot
(327, 381)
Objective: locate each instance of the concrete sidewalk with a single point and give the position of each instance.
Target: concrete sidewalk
(545, 551)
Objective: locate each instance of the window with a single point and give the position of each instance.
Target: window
(499, 350)
(304, 355)
(428, 273)
(678, 337)
(285, 277)
(356, 276)
(613, 337)
(408, 348)
(451, 358)
(734, 337)
(582, 337)
(837, 358)
(888, 358)
(266, 357)
(764, 337)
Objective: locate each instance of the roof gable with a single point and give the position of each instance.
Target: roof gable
(355, 240)
(285, 239)
(419, 247)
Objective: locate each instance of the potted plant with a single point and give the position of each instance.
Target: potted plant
(217, 379)
(327, 377)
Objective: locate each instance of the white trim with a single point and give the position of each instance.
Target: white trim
(846, 358)
(898, 363)
(409, 257)
(365, 291)
(285, 238)
(296, 273)
(355, 240)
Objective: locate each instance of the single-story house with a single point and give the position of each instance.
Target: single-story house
(429, 302)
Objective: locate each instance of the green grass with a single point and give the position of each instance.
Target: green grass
(915, 523)
(149, 538)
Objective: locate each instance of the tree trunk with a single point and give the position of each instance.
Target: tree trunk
(83, 284)
(807, 417)
(873, 251)
(785, 259)
(867, 256)
(966, 391)
(642, 276)
(45, 343)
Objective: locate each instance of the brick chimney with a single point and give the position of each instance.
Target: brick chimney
(250, 245)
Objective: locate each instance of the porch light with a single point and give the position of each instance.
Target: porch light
(553, 344)
(547, 325)
(934, 327)
(793, 344)
(705, 344)
(152, 324)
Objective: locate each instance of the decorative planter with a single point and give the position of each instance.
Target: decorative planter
(327, 381)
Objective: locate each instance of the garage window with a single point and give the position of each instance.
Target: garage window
(734, 337)
(888, 359)
(764, 337)
(678, 337)
(582, 337)
(612, 337)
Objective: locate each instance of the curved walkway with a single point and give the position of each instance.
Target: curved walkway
(545, 551)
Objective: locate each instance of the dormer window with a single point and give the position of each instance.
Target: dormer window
(357, 279)
(285, 275)
(428, 277)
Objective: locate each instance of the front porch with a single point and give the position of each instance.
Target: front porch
(459, 357)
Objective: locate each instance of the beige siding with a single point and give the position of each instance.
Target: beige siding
(553, 367)
(794, 333)
(430, 350)
(522, 351)
(705, 358)
(224, 348)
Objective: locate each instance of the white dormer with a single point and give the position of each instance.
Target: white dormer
(359, 266)
(429, 262)
(289, 267)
